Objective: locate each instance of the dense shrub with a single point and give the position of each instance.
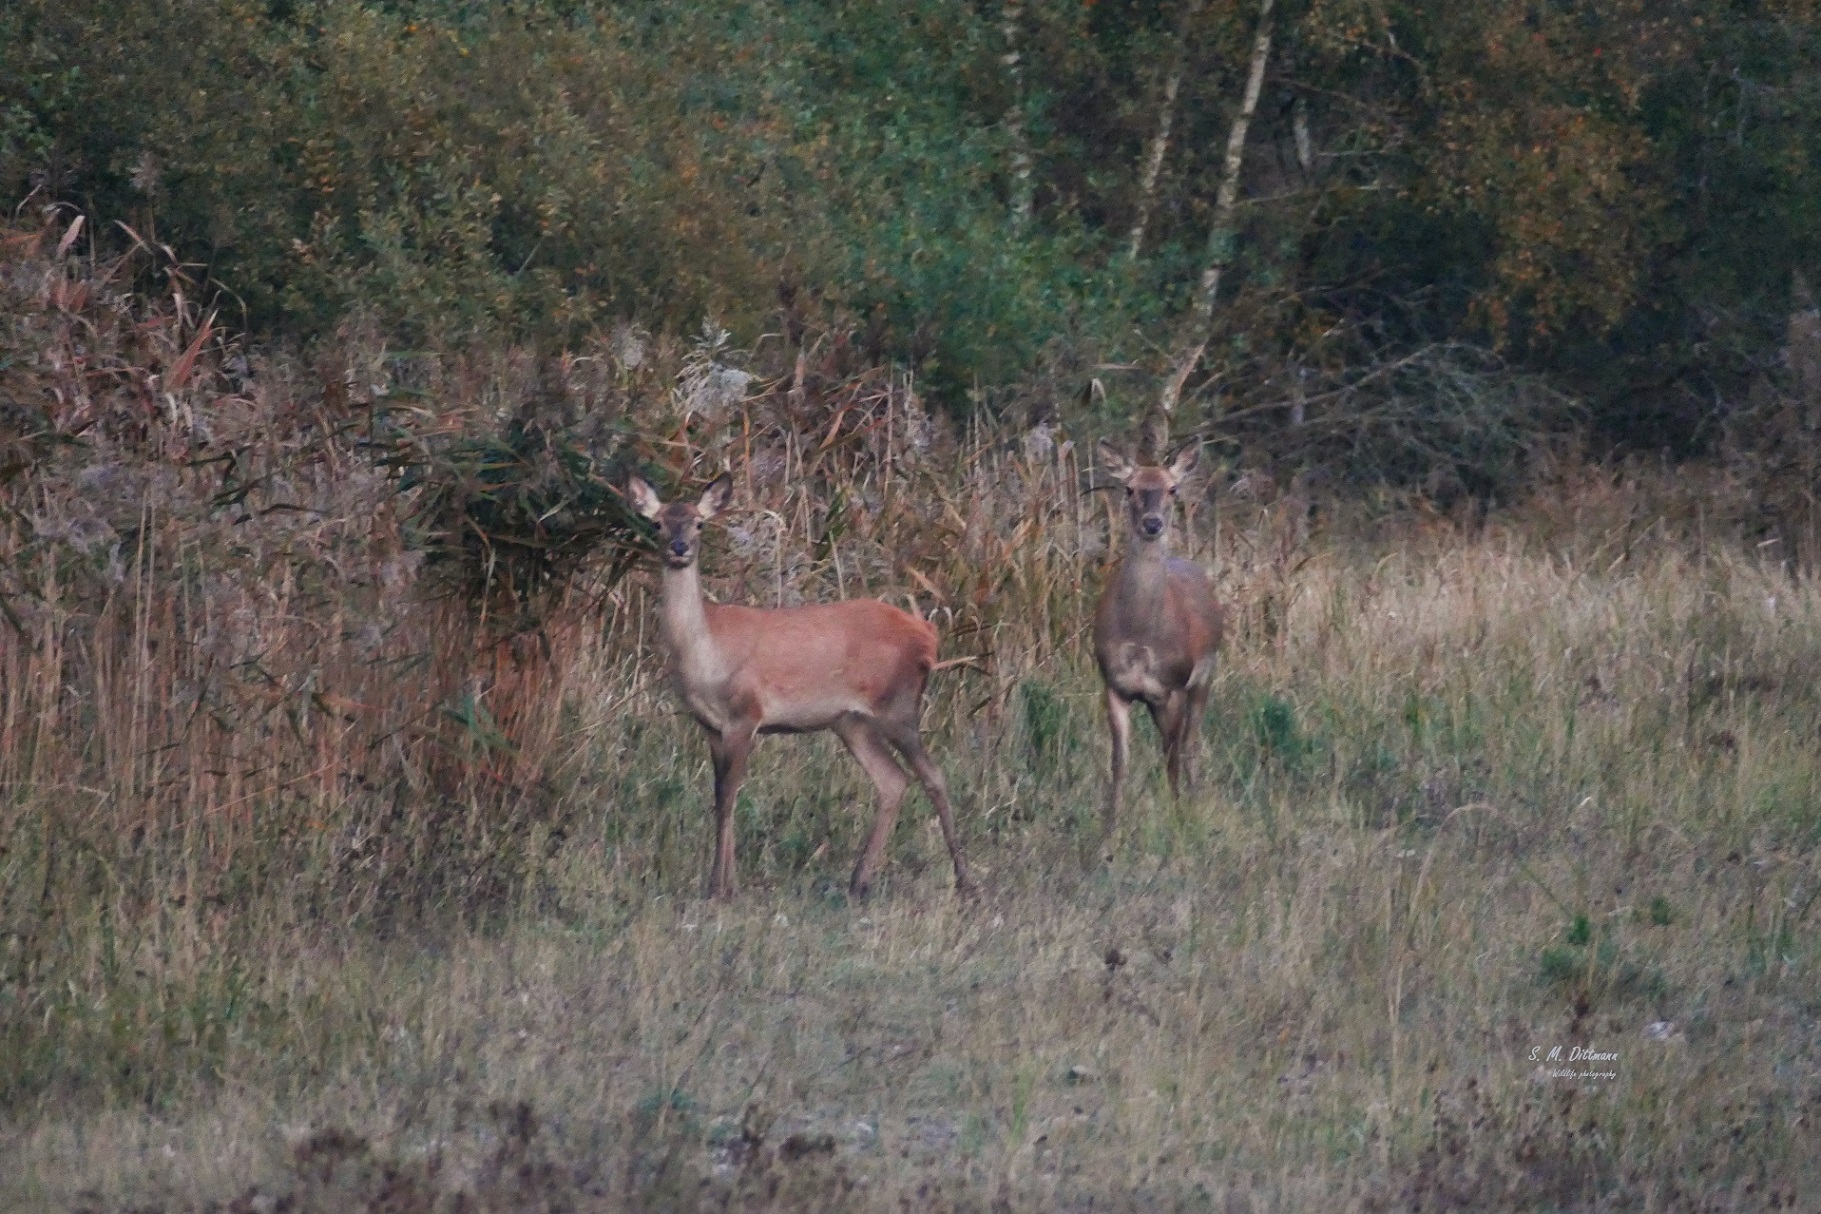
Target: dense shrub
(1613, 198)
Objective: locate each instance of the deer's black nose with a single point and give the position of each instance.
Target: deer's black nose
(1153, 525)
(679, 547)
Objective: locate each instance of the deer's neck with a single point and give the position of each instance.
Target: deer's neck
(1146, 568)
(1142, 579)
(684, 621)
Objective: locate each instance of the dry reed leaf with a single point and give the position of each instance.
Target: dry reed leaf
(186, 362)
(70, 235)
(928, 586)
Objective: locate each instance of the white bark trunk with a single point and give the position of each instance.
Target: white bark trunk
(1299, 127)
(1160, 142)
(1023, 189)
(1226, 200)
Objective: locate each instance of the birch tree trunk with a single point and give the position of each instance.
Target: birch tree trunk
(1160, 142)
(1221, 239)
(1023, 189)
(1299, 128)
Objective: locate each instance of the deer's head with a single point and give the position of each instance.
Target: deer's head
(1149, 489)
(680, 523)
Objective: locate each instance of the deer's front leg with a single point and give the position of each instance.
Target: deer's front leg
(1169, 719)
(1119, 724)
(730, 748)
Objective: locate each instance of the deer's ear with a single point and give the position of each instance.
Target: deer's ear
(643, 497)
(1118, 466)
(1185, 459)
(717, 497)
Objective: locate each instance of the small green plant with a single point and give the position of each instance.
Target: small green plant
(673, 1105)
(1662, 912)
(1567, 964)
(1562, 966)
(1275, 726)
(1416, 717)
(1047, 725)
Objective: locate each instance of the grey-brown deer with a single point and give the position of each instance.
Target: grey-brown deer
(1158, 625)
(856, 668)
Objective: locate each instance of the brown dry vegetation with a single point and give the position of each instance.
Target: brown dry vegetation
(322, 889)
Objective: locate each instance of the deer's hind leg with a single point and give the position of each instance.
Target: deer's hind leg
(1190, 731)
(870, 751)
(909, 743)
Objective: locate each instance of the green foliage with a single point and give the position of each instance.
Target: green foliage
(518, 513)
(1612, 195)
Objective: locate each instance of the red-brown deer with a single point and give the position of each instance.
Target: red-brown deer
(855, 668)
(1158, 625)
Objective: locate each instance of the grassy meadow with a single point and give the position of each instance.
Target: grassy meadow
(318, 892)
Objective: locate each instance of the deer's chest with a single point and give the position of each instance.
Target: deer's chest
(699, 679)
(1137, 645)
(709, 709)
(1137, 670)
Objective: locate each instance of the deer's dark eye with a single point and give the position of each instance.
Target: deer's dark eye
(1129, 491)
